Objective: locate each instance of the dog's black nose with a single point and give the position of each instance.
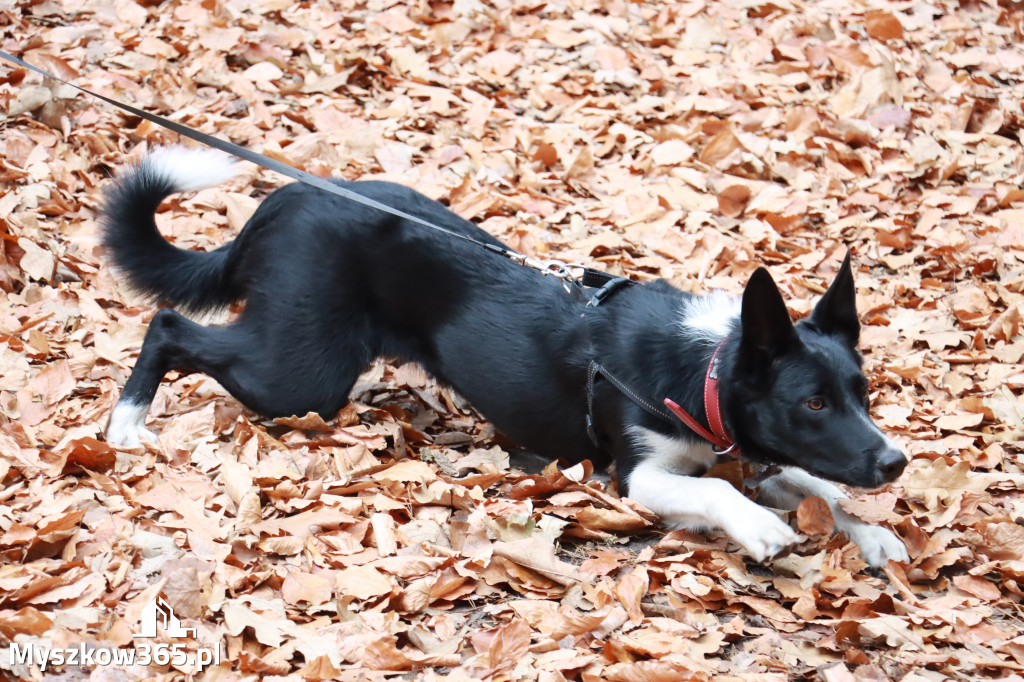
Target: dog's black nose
(891, 463)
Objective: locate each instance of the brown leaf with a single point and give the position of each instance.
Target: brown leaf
(671, 153)
(733, 199)
(384, 534)
(407, 471)
(90, 454)
(311, 421)
(288, 545)
(503, 647)
(304, 523)
(61, 527)
(537, 554)
(1003, 541)
(814, 517)
(720, 147)
(54, 383)
(650, 671)
(26, 621)
(630, 591)
(978, 587)
(870, 510)
(38, 263)
(596, 518)
(182, 589)
(416, 595)
(776, 613)
(837, 673)
(546, 153)
(306, 587)
(319, 669)
(883, 26)
(362, 582)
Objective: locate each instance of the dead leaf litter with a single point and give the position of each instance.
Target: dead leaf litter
(691, 141)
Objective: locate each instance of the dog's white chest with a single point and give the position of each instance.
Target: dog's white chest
(672, 454)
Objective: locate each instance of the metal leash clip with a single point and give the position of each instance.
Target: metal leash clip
(560, 270)
(727, 451)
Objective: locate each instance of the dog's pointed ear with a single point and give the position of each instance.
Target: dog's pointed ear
(836, 312)
(767, 330)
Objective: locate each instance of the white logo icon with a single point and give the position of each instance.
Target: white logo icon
(160, 611)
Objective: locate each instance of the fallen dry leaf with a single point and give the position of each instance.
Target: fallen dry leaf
(813, 517)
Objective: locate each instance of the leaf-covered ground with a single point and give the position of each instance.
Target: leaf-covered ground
(686, 140)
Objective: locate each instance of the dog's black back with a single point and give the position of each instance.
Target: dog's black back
(329, 285)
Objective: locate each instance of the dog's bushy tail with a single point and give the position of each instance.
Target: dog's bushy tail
(190, 280)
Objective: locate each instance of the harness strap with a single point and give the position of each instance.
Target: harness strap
(609, 287)
(597, 278)
(593, 372)
(720, 439)
(607, 283)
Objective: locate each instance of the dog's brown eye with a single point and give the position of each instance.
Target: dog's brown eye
(816, 403)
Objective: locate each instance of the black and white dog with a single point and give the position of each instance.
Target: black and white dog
(330, 285)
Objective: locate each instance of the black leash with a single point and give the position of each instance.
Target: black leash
(605, 283)
(556, 268)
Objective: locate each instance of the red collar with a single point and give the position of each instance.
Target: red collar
(718, 436)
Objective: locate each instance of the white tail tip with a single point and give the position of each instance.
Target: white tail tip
(190, 168)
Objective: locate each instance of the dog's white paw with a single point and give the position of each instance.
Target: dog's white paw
(127, 426)
(878, 545)
(762, 534)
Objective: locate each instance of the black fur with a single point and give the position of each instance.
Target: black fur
(329, 285)
(191, 280)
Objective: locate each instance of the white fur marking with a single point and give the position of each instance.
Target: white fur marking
(128, 425)
(789, 488)
(672, 454)
(709, 318)
(191, 168)
(700, 503)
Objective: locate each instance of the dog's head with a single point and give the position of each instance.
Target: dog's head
(798, 395)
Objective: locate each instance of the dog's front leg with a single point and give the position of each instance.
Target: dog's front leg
(702, 503)
(789, 488)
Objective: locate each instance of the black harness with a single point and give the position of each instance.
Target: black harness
(574, 278)
(595, 370)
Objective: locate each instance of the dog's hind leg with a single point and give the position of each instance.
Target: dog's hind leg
(266, 379)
